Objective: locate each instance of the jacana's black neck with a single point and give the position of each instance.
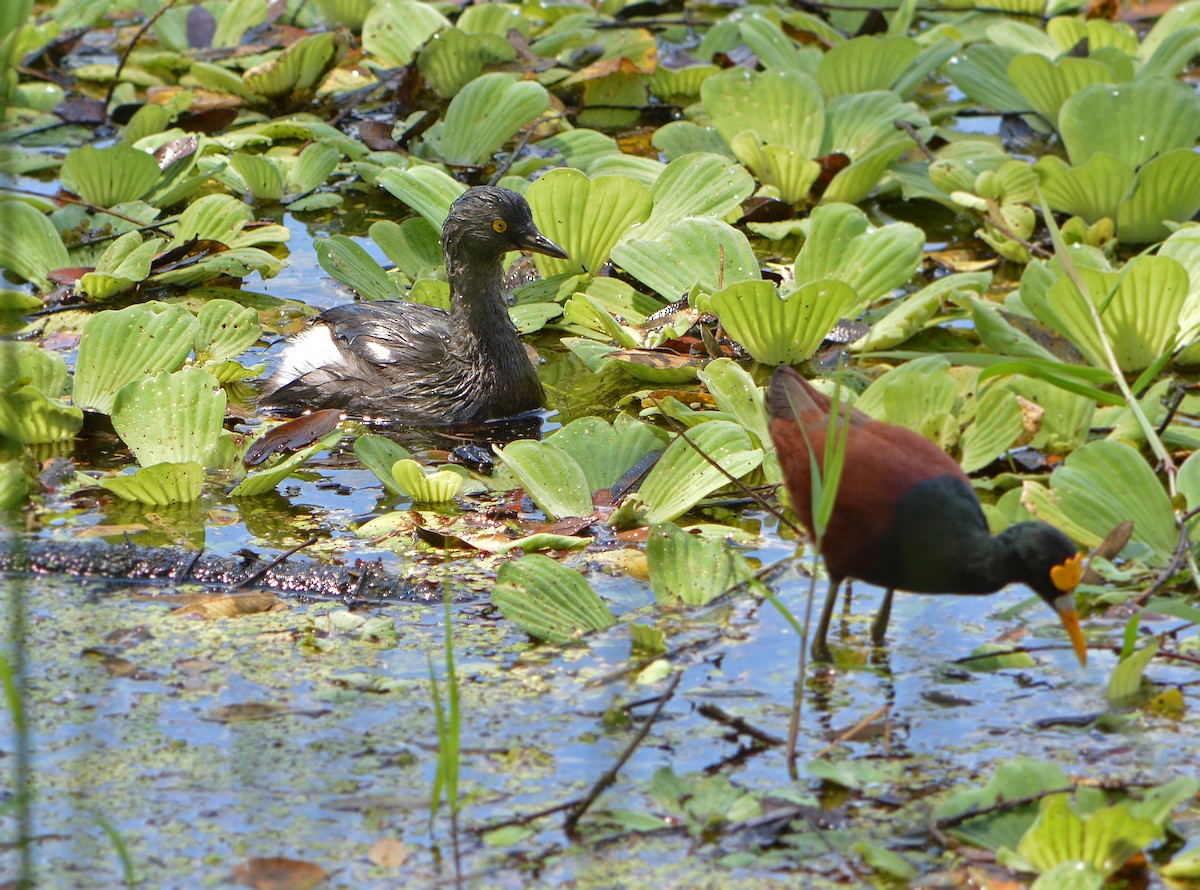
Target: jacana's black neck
(995, 562)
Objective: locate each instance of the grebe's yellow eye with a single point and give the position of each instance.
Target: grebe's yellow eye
(1066, 576)
(500, 225)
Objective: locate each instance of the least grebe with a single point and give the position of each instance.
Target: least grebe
(405, 361)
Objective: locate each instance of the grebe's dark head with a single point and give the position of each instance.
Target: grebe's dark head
(487, 222)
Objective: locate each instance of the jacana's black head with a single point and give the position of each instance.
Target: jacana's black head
(487, 222)
(1053, 566)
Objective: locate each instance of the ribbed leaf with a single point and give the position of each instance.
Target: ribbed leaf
(349, 263)
(860, 123)
(690, 569)
(213, 218)
(605, 451)
(785, 169)
(312, 167)
(736, 393)
(981, 71)
(227, 329)
(394, 30)
(1167, 189)
(842, 245)
(858, 180)
(783, 331)
(109, 176)
(1093, 190)
(118, 347)
(379, 454)
(549, 601)
(31, 418)
(485, 115)
(680, 138)
(864, 64)
(774, 48)
(413, 245)
(26, 363)
(171, 417)
(29, 244)
(426, 488)
(1156, 116)
(783, 107)
(1141, 319)
(264, 180)
(1102, 842)
(701, 251)
(586, 217)
(452, 59)
(159, 485)
(425, 189)
(1100, 486)
(550, 476)
(997, 425)
(297, 70)
(1047, 85)
(682, 477)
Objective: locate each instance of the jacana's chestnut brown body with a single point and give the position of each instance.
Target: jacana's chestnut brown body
(906, 517)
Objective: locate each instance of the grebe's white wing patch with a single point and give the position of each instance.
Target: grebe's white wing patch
(311, 350)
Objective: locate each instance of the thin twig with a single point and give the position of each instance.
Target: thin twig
(737, 724)
(524, 818)
(610, 776)
(851, 733)
(95, 208)
(1000, 806)
(257, 576)
(129, 49)
(1177, 559)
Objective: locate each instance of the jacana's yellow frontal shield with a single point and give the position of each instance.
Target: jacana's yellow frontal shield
(1065, 577)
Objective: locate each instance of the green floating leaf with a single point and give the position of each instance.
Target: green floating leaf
(296, 71)
(120, 346)
(30, 246)
(425, 189)
(781, 107)
(312, 167)
(263, 178)
(993, 657)
(550, 476)
(426, 488)
(606, 451)
(586, 217)
(682, 477)
(691, 569)
(865, 64)
(736, 393)
(31, 418)
(227, 329)
(348, 262)
(379, 454)
(783, 331)
(998, 424)
(700, 184)
(647, 639)
(109, 176)
(1048, 84)
(485, 115)
(26, 363)
(1125, 686)
(265, 480)
(171, 417)
(452, 59)
(413, 245)
(1104, 840)
(123, 264)
(159, 485)
(549, 601)
(1100, 486)
(393, 31)
(701, 251)
(1157, 115)
(844, 246)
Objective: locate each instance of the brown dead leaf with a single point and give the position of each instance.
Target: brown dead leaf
(293, 435)
(244, 712)
(230, 605)
(278, 873)
(388, 852)
(107, 531)
(1031, 421)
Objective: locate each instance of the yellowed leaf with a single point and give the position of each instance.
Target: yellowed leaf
(278, 873)
(230, 605)
(388, 852)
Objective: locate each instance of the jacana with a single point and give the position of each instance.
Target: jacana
(906, 517)
(403, 361)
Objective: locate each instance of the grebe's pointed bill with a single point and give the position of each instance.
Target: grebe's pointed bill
(1065, 607)
(539, 243)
